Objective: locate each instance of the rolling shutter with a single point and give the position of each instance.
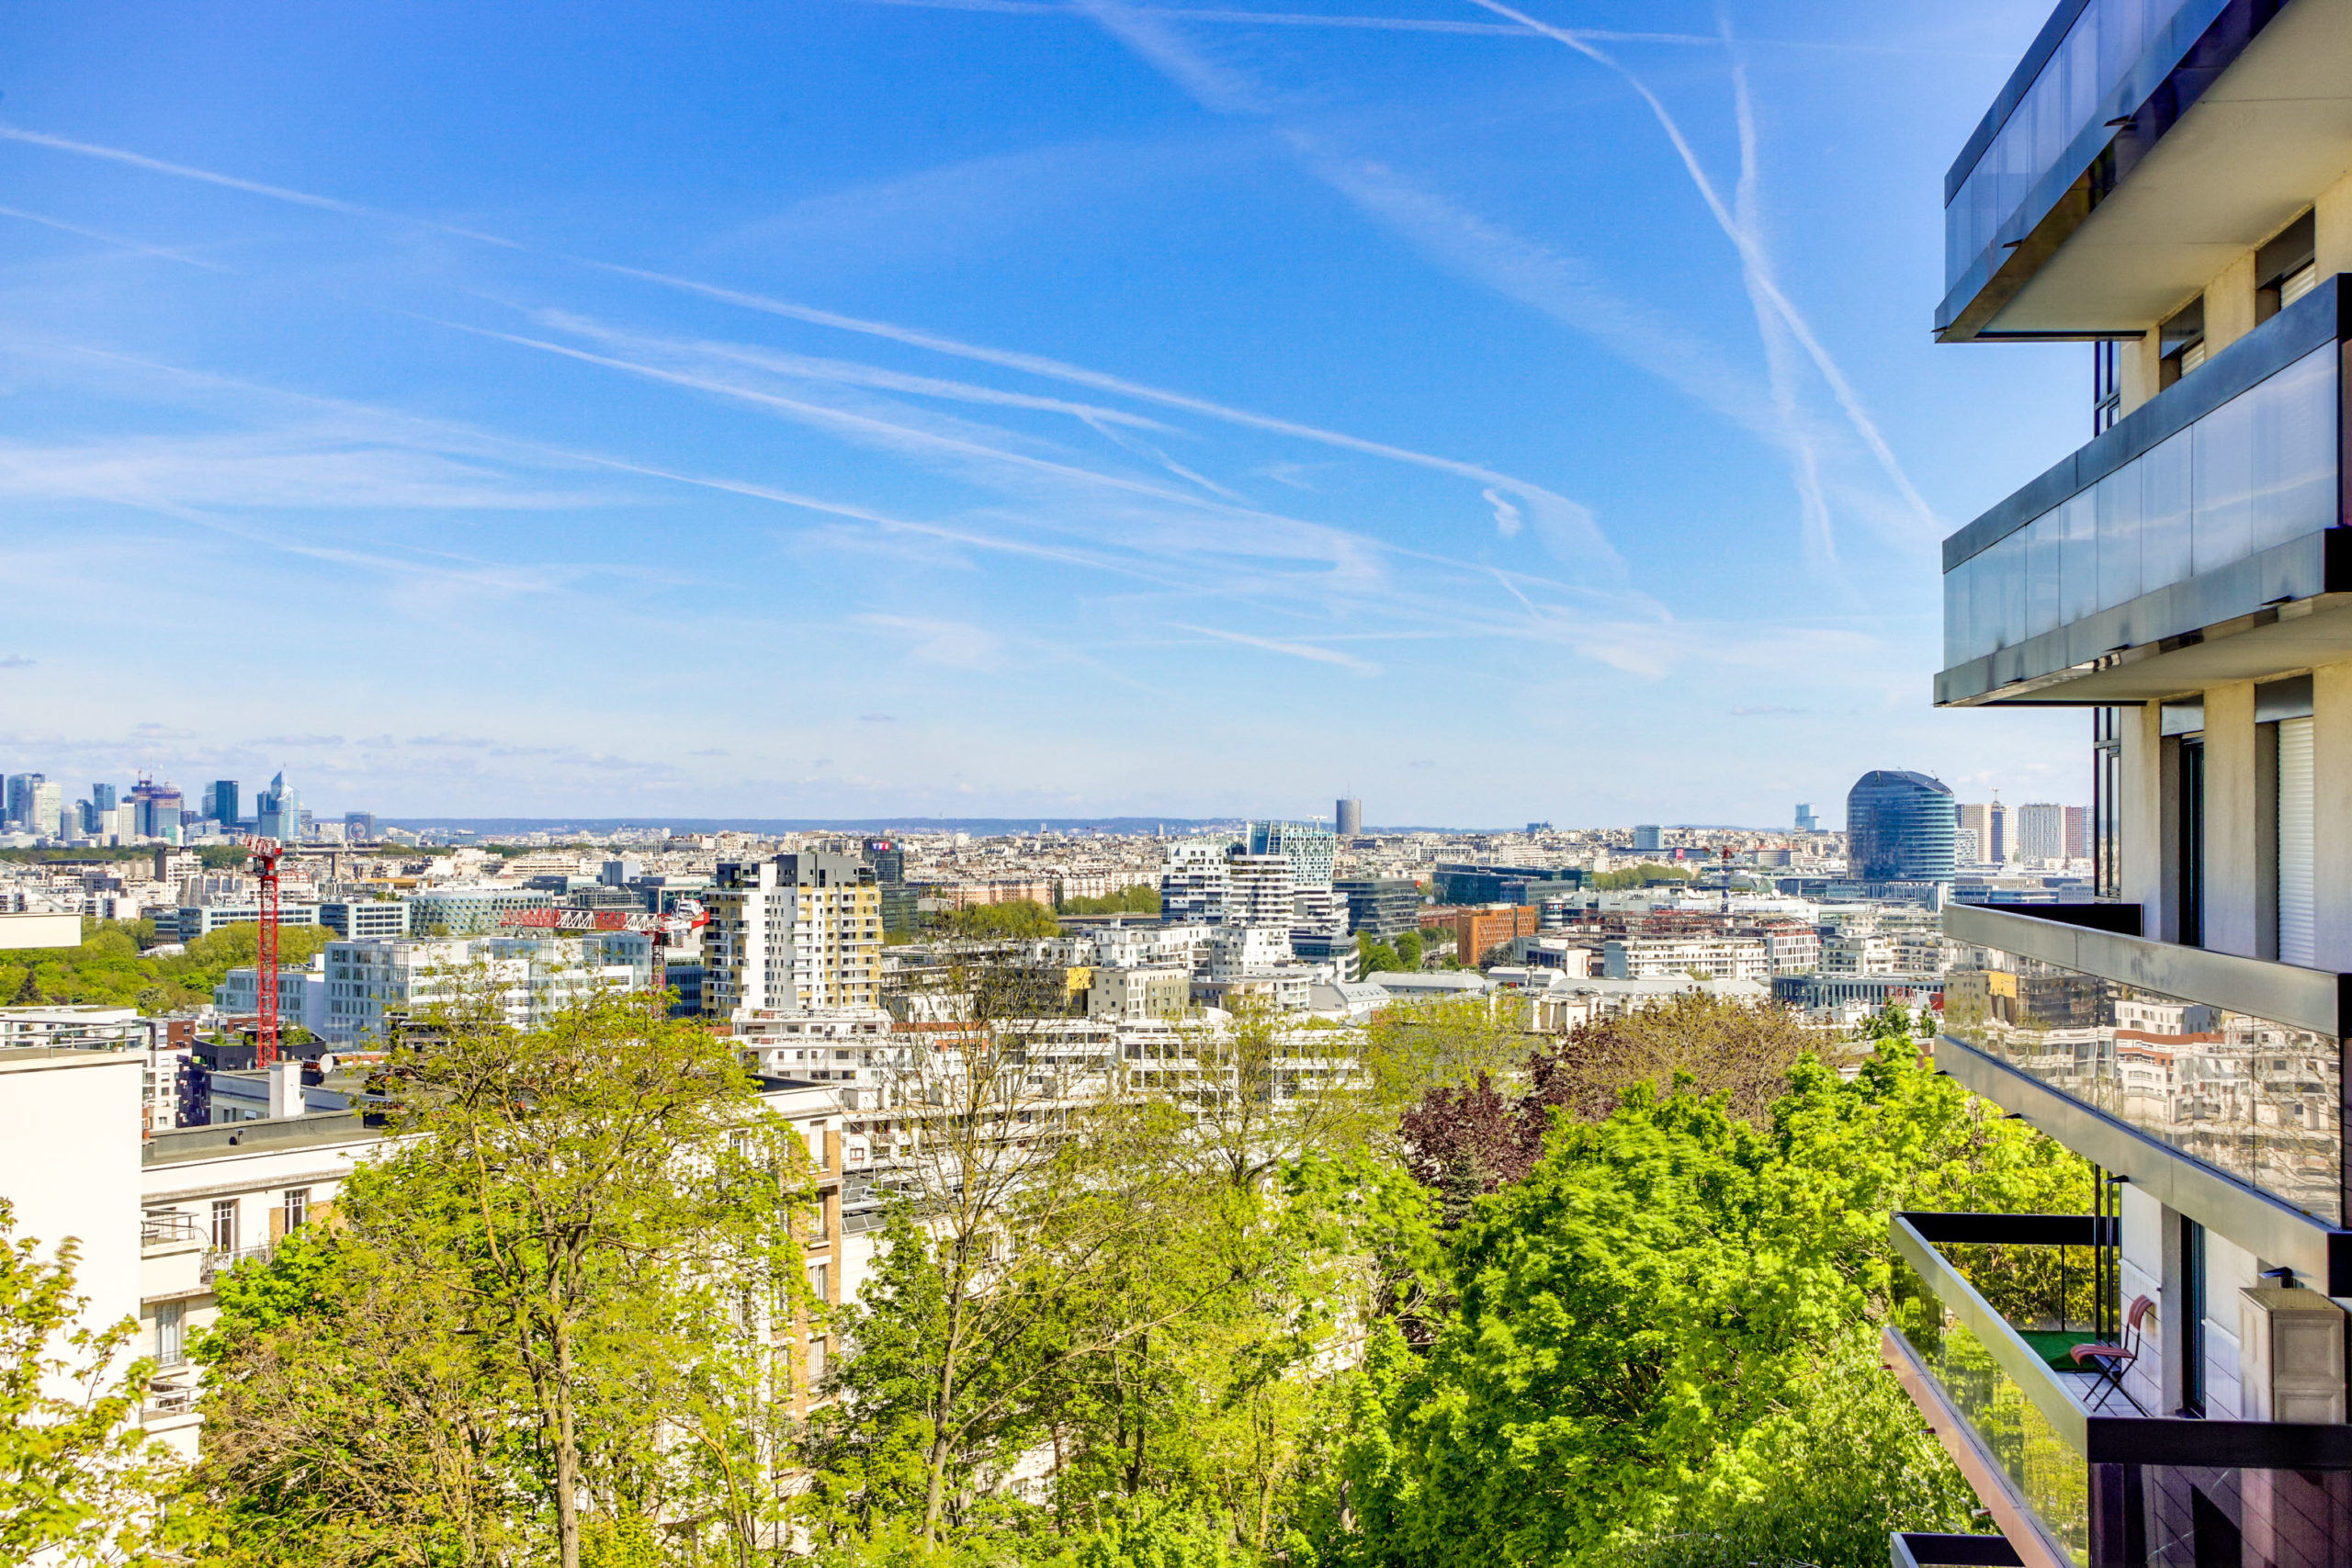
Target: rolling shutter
(2298, 942)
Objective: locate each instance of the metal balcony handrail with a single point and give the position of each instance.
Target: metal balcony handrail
(2102, 1439)
(167, 1225)
(2261, 988)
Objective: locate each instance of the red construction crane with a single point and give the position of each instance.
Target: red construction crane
(683, 919)
(262, 863)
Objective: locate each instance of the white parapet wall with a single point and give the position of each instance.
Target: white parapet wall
(40, 929)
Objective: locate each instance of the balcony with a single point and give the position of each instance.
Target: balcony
(1982, 1308)
(2190, 543)
(163, 1231)
(2140, 147)
(2213, 1081)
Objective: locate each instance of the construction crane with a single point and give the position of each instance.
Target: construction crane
(679, 922)
(262, 861)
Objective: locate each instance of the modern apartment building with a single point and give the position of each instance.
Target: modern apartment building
(791, 934)
(372, 986)
(1193, 883)
(366, 919)
(1309, 849)
(470, 910)
(2170, 182)
(1381, 905)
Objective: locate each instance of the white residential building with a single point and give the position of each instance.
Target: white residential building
(368, 984)
(794, 933)
(1193, 883)
(1663, 957)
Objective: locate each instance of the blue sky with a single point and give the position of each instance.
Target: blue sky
(1002, 407)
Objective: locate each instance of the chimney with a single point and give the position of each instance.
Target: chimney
(285, 1087)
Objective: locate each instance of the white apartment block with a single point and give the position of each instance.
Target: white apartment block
(1858, 954)
(301, 994)
(1260, 891)
(796, 934)
(369, 984)
(1137, 995)
(1193, 883)
(1666, 957)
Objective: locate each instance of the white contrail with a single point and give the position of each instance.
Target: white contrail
(1804, 456)
(1758, 264)
(1572, 523)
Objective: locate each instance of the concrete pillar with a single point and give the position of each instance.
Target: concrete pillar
(2229, 304)
(2138, 360)
(2332, 814)
(2332, 229)
(2148, 877)
(2234, 813)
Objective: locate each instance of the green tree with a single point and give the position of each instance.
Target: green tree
(1024, 920)
(1674, 1301)
(1138, 899)
(78, 1478)
(1409, 946)
(524, 1320)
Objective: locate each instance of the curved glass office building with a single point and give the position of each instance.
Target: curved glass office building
(1901, 827)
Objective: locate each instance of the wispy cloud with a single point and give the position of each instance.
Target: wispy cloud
(17, 661)
(1755, 262)
(1306, 650)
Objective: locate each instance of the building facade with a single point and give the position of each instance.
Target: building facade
(1900, 826)
(795, 933)
(2171, 185)
(1381, 907)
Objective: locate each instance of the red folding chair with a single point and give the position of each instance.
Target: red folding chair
(2111, 1362)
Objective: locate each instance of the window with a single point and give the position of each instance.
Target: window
(171, 1335)
(2297, 900)
(298, 1207)
(2191, 839)
(819, 1276)
(2181, 342)
(2107, 384)
(225, 1224)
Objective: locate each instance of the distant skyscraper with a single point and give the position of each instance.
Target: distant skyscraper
(45, 813)
(20, 797)
(2078, 832)
(103, 798)
(1900, 828)
(1348, 819)
(226, 806)
(156, 808)
(1645, 836)
(278, 811)
(359, 826)
(1806, 821)
(1976, 820)
(2041, 831)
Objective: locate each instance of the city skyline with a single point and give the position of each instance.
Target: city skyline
(1309, 393)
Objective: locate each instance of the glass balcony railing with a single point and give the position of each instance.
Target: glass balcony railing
(1971, 1303)
(2051, 119)
(2179, 517)
(2257, 1098)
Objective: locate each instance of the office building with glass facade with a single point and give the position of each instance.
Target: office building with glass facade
(1900, 828)
(2169, 182)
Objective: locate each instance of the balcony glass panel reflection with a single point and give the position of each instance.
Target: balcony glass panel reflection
(2258, 471)
(2045, 1472)
(2067, 98)
(2253, 1098)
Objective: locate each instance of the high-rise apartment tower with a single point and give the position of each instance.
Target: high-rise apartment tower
(2168, 183)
